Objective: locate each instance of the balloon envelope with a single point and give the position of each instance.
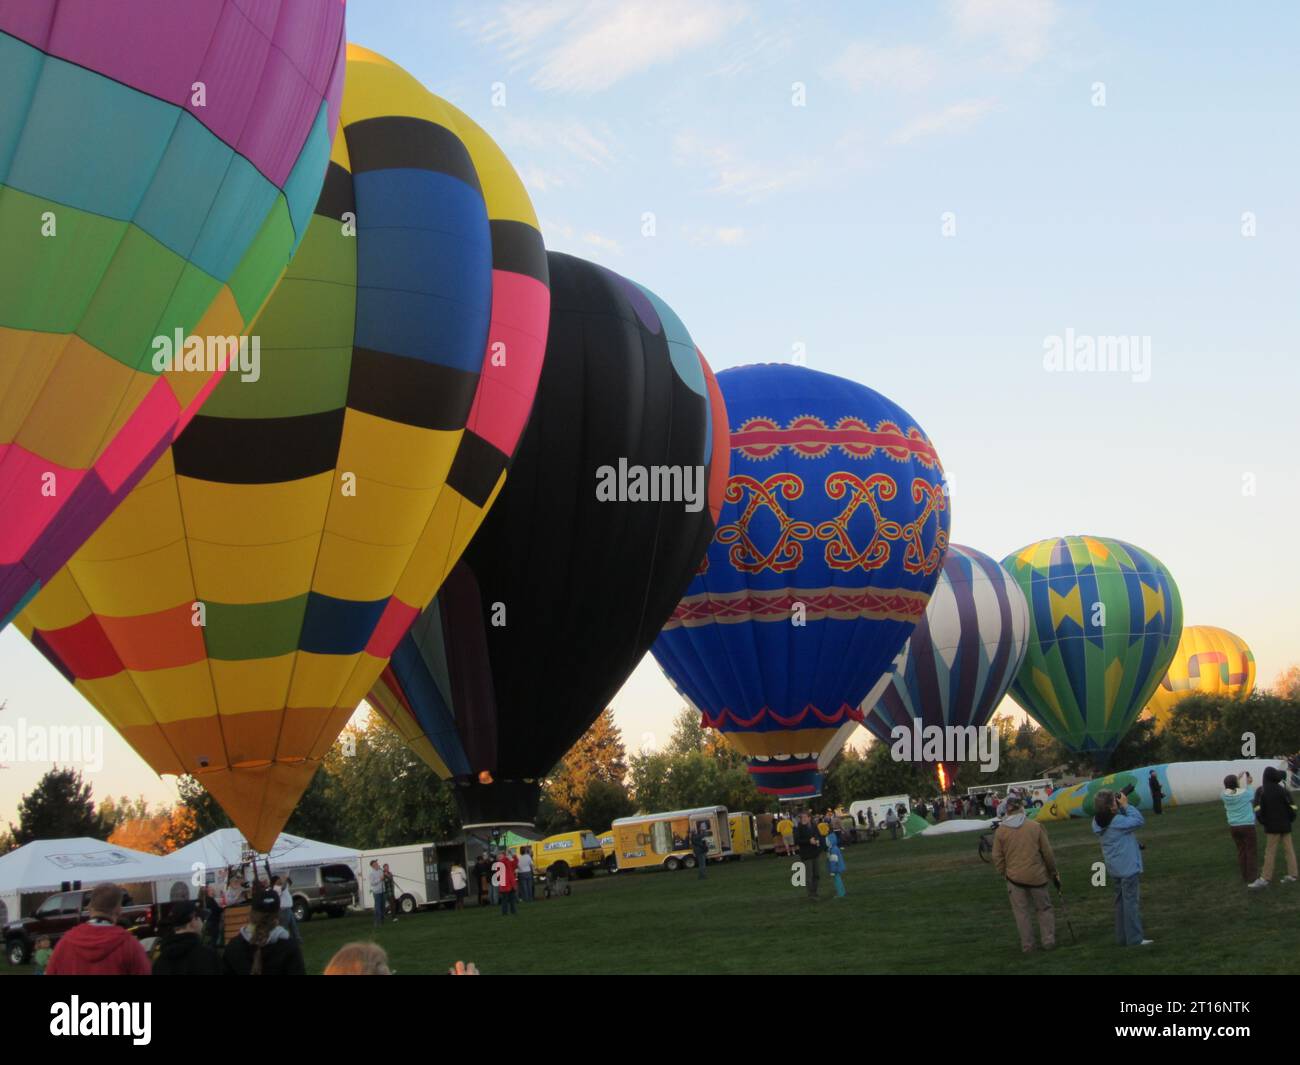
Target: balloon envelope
(1104, 621)
(963, 656)
(158, 166)
(569, 580)
(234, 610)
(1209, 660)
(827, 550)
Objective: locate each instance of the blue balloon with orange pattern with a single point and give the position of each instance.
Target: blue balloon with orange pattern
(829, 545)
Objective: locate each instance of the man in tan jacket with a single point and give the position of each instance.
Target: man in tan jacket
(1023, 856)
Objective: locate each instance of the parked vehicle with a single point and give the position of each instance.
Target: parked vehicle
(577, 853)
(649, 840)
(62, 912)
(878, 806)
(744, 833)
(330, 889)
(415, 870)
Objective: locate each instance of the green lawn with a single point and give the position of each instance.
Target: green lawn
(915, 906)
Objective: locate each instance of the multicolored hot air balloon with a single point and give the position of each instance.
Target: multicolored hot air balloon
(610, 505)
(964, 654)
(158, 166)
(235, 609)
(1209, 660)
(827, 551)
(1104, 621)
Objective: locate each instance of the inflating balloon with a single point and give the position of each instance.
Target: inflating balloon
(1104, 621)
(610, 505)
(158, 166)
(235, 609)
(963, 656)
(1209, 661)
(827, 551)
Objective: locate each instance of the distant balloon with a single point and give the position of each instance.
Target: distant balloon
(582, 558)
(964, 654)
(158, 166)
(1105, 618)
(1209, 661)
(827, 551)
(232, 613)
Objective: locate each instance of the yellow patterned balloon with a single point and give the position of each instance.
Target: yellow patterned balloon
(1209, 660)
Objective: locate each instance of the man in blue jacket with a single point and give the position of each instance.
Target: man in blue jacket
(1116, 822)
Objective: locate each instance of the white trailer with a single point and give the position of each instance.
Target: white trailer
(415, 876)
(878, 806)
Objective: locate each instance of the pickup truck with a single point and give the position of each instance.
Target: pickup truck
(62, 912)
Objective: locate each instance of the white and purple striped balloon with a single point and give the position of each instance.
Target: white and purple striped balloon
(964, 654)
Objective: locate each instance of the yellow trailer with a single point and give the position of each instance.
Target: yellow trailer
(576, 852)
(664, 840)
(744, 833)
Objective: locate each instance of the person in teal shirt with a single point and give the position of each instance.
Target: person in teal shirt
(1116, 822)
(835, 863)
(42, 955)
(1238, 796)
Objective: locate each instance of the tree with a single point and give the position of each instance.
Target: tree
(1287, 684)
(689, 734)
(205, 815)
(146, 834)
(603, 804)
(60, 807)
(116, 812)
(598, 756)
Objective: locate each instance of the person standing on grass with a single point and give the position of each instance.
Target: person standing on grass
(377, 890)
(506, 880)
(1276, 811)
(525, 874)
(1023, 857)
(700, 848)
(1157, 793)
(459, 884)
(810, 844)
(835, 862)
(283, 887)
(891, 822)
(1238, 804)
(1115, 822)
(262, 947)
(390, 891)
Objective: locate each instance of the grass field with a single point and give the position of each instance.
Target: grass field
(914, 906)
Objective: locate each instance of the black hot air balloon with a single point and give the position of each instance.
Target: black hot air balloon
(582, 558)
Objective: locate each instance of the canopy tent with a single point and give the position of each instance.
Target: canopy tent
(47, 864)
(227, 847)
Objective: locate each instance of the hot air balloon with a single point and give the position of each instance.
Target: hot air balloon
(232, 613)
(582, 558)
(964, 654)
(1209, 660)
(1104, 621)
(827, 551)
(158, 166)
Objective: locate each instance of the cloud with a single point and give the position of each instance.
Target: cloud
(903, 67)
(733, 173)
(560, 236)
(952, 119)
(715, 236)
(592, 146)
(1022, 28)
(588, 46)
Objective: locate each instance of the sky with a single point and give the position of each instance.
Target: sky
(921, 196)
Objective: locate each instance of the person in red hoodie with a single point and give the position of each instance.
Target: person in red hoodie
(100, 947)
(504, 871)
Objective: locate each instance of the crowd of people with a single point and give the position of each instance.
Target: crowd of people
(1023, 856)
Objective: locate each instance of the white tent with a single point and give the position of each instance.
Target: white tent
(227, 847)
(45, 865)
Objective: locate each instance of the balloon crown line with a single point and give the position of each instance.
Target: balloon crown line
(810, 437)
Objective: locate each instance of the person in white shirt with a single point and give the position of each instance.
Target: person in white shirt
(283, 887)
(459, 884)
(377, 890)
(525, 874)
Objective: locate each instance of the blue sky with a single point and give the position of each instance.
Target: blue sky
(822, 225)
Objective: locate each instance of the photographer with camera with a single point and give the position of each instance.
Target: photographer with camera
(1115, 822)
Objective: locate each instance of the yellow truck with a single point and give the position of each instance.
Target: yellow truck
(577, 852)
(607, 849)
(744, 833)
(664, 840)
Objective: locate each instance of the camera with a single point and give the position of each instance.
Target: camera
(1128, 789)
